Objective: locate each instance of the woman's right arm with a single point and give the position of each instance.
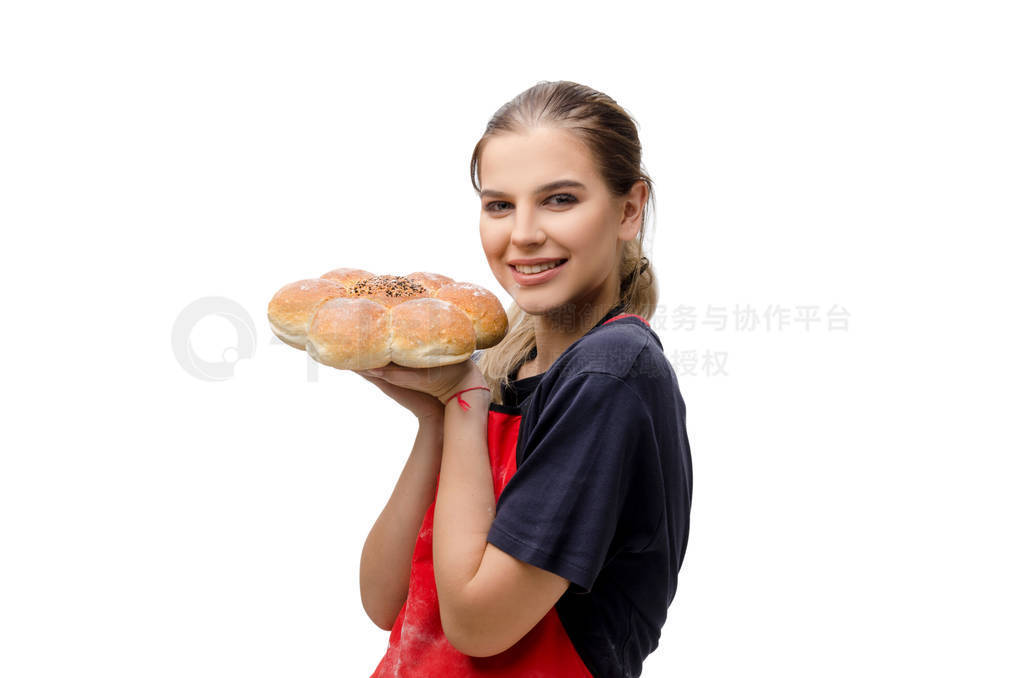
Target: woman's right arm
(386, 562)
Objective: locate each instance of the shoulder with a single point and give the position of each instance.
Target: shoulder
(627, 349)
(621, 362)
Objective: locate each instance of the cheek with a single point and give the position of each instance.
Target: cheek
(492, 242)
(590, 235)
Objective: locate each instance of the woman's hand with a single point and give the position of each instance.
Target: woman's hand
(435, 384)
(423, 405)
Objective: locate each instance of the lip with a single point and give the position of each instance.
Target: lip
(535, 278)
(534, 262)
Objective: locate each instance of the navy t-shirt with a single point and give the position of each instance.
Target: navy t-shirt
(602, 490)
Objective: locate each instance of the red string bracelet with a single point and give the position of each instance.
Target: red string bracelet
(462, 403)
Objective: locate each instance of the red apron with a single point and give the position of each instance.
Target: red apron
(418, 648)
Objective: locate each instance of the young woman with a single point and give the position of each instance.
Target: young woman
(539, 525)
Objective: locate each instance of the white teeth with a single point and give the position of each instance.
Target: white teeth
(536, 269)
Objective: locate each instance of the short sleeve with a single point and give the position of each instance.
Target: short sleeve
(560, 509)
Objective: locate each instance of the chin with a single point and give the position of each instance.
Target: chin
(531, 306)
(540, 307)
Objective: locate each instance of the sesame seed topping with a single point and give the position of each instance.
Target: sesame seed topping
(389, 286)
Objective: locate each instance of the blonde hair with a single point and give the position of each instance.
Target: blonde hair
(610, 133)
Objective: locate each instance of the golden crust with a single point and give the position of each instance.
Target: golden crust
(292, 307)
(432, 281)
(350, 334)
(430, 332)
(482, 307)
(350, 318)
(347, 276)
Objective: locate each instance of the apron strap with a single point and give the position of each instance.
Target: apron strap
(627, 315)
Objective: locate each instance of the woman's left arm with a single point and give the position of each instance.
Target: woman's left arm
(488, 599)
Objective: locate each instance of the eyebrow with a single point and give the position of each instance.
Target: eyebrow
(561, 183)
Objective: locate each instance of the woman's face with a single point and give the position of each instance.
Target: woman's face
(524, 216)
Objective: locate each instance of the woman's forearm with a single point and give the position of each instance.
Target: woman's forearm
(465, 499)
(386, 560)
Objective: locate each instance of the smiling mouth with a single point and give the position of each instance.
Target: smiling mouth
(537, 268)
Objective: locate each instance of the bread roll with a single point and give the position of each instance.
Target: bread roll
(352, 319)
(292, 308)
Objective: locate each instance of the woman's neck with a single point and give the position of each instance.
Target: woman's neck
(557, 331)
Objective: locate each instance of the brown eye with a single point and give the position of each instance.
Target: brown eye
(490, 207)
(570, 199)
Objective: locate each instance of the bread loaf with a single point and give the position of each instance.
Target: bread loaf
(351, 319)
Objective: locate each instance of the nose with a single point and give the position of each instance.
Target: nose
(526, 229)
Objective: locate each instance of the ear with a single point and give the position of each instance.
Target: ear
(632, 211)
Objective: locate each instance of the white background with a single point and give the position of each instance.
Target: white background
(857, 507)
